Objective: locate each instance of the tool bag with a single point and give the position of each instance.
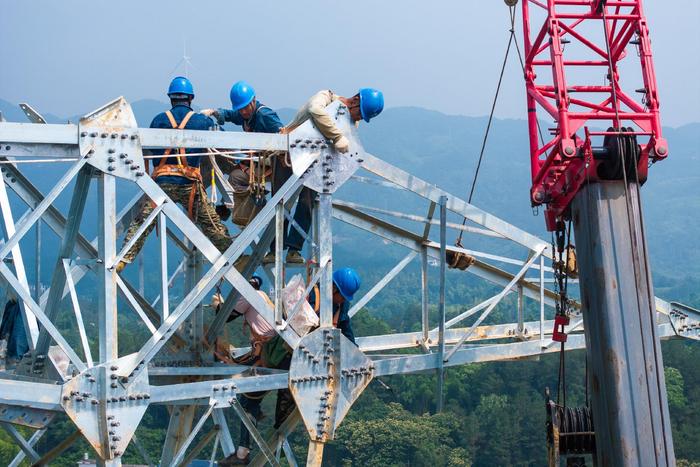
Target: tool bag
(458, 260)
(247, 203)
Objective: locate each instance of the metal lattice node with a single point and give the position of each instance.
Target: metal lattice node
(106, 394)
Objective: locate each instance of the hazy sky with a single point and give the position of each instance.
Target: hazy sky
(69, 57)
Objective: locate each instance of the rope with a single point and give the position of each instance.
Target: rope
(493, 108)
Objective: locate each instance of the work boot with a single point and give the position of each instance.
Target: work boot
(233, 459)
(294, 257)
(269, 258)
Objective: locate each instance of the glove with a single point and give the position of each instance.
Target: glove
(342, 145)
(210, 112)
(217, 300)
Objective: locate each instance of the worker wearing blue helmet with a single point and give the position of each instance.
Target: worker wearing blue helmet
(346, 282)
(178, 173)
(365, 105)
(246, 111)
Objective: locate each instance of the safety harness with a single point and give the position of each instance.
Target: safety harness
(181, 169)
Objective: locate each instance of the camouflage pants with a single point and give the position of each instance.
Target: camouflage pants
(204, 214)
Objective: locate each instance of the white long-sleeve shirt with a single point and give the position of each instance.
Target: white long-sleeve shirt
(315, 109)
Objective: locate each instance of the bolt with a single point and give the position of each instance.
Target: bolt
(78, 399)
(122, 155)
(111, 159)
(128, 161)
(134, 167)
(110, 417)
(83, 134)
(66, 398)
(132, 397)
(114, 135)
(114, 368)
(94, 402)
(113, 385)
(103, 135)
(115, 438)
(111, 150)
(122, 398)
(124, 136)
(134, 137)
(139, 174)
(360, 160)
(93, 134)
(113, 376)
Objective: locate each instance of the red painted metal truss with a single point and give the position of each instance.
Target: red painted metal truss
(565, 158)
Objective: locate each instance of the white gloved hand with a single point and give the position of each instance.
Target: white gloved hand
(217, 300)
(342, 145)
(210, 112)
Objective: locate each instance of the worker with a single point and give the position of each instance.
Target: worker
(178, 175)
(346, 282)
(253, 116)
(246, 111)
(260, 332)
(365, 105)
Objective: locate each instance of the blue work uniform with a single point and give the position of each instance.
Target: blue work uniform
(343, 312)
(263, 120)
(196, 122)
(266, 120)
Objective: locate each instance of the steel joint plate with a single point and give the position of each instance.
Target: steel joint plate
(327, 375)
(110, 139)
(329, 169)
(106, 407)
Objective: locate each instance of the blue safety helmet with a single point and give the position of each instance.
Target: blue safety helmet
(347, 281)
(371, 103)
(256, 281)
(241, 95)
(181, 85)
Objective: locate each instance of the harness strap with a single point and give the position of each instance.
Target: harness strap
(181, 151)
